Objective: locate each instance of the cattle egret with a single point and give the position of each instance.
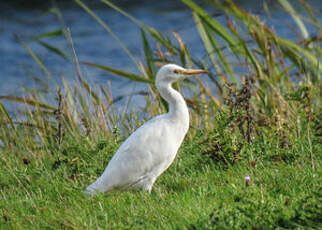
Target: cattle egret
(150, 150)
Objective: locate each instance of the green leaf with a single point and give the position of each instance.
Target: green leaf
(288, 7)
(120, 73)
(206, 41)
(133, 19)
(119, 98)
(249, 54)
(159, 37)
(299, 50)
(153, 32)
(34, 56)
(50, 34)
(54, 50)
(108, 29)
(212, 46)
(148, 54)
(94, 95)
(4, 112)
(214, 24)
(26, 101)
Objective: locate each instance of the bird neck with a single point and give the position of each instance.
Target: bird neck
(178, 110)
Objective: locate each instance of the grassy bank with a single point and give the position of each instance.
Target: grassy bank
(43, 189)
(261, 117)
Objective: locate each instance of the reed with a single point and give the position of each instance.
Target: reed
(272, 63)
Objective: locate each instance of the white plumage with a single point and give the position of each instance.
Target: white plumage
(150, 150)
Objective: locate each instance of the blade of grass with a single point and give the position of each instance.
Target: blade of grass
(108, 29)
(136, 21)
(164, 41)
(54, 50)
(71, 112)
(184, 55)
(214, 24)
(212, 46)
(148, 54)
(120, 73)
(4, 112)
(153, 32)
(89, 90)
(119, 98)
(25, 124)
(249, 54)
(288, 7)
(206, 41)
(299, 51)
(308, 8)
(34, 56)
(250, 20)
(25, 101)
(54, 33)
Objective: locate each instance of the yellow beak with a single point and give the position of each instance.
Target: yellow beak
(193, 71)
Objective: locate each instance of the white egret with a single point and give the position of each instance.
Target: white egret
(150, 150)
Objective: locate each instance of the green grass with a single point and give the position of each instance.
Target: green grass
(265, 124)
(195, 193)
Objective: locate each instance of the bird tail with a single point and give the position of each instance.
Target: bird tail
(90, 191)
(96, 187)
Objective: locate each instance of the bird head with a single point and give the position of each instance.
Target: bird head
(172, 73)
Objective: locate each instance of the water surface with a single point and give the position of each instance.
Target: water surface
(94, 44)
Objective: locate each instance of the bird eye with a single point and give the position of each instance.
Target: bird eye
(176, 71)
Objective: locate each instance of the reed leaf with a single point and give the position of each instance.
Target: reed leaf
(153, 32)
(31, 102)
(248, 53)
(310, 12)
(88, 89)
(163, 40)
(148, 55)
(108, 29)
(252, 21)
(4, 113)
(184, 55)
(296, 17)
(25, 124)
(214, 24)
(206, 41)
(212, 46)
(70, 110)
(54, 33)
(133, 19)
(34, 56)
(299, 51)
(54, 50)
(120, 73)
(119, 98)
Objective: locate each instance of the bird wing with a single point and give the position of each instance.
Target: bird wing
(148, 148)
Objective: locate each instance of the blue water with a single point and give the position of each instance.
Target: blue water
(94, 44)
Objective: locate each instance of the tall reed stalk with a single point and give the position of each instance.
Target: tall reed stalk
(244, 45)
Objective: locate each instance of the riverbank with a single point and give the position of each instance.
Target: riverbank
(43, 189)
